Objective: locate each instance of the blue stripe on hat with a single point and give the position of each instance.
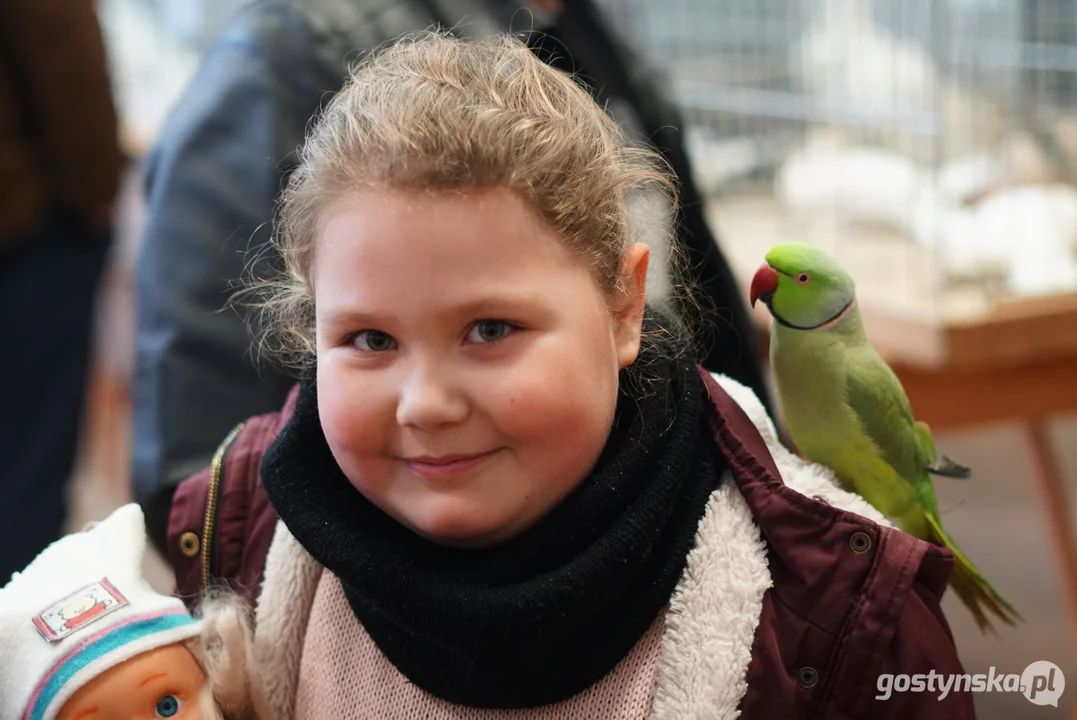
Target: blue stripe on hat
(98, 648)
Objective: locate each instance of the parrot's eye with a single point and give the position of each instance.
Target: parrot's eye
(803, 278)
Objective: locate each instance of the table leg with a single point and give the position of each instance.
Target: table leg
(1051, 484)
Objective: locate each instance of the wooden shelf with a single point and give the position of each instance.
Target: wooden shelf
(1012, 335)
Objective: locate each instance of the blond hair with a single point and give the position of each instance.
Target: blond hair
(225, 651)
(435, 113)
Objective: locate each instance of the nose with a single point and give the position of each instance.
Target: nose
(430, 398)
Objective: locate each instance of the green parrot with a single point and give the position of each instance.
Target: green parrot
(844, 408)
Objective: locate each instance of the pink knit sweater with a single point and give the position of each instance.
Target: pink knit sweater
(344, 675)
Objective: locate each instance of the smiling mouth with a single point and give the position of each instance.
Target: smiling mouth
(446, 465)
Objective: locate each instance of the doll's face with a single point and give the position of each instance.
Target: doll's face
(161, 683)
(467, 361)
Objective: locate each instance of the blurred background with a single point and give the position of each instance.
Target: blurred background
(930, 144)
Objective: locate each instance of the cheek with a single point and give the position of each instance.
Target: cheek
(560, 403)
(550, 410)
(354, 416)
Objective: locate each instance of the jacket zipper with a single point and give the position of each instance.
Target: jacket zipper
(209, 523)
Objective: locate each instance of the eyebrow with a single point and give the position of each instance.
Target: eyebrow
(152, 677)
(85, 713)
(506, 304)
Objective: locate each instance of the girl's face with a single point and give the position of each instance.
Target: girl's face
(467, 362)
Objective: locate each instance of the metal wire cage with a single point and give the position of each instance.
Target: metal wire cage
(935, 138)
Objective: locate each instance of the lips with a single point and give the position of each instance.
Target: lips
(444, 459)
(446, 465)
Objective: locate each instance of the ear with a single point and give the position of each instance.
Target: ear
(628, 310)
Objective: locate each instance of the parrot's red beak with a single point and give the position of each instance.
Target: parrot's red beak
(764, 284)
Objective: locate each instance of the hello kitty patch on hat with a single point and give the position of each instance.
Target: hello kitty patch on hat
(79, 609)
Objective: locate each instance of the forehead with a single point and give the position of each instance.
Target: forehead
(132, 687)
(374, 243)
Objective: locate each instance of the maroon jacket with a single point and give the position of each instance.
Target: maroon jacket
(841, 611)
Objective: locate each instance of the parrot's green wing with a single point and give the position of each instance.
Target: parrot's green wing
(875, 394)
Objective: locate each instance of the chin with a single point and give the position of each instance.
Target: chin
(461, 529)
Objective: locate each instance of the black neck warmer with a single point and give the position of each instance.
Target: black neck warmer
(545, 615)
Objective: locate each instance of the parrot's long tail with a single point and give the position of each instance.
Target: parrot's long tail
(970, 584)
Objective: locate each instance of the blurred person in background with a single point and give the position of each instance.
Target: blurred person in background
(60, 167)
(229, 145)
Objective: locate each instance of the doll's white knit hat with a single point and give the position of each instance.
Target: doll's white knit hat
(79, 609)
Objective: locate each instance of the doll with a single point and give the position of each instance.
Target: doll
(84, 637)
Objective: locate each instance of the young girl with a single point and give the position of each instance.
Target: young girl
(503, 487)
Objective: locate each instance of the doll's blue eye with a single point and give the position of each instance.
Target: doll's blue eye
(168, 706)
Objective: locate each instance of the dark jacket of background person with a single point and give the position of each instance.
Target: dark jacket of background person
(223, 156)
(58, 129)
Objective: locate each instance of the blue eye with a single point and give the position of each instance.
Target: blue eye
(487, 331)
(373, 341)
(168, 706)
